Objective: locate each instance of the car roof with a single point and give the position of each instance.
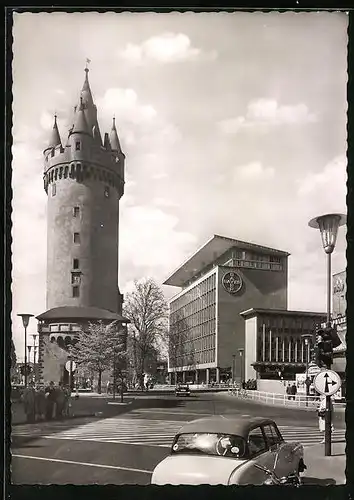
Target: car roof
(239, 426)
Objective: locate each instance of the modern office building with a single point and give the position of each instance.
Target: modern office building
(222, 279)
(230, 320)
(84, 181)
(274, 346)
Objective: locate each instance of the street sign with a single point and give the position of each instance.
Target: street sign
(73, 366)
(327, 382)
(314, 370)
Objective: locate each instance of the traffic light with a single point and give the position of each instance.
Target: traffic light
(326, 339)
(332, 334)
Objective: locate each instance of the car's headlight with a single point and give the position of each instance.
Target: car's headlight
(268, 481)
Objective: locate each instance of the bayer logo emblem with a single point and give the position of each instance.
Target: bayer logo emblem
(232, 282)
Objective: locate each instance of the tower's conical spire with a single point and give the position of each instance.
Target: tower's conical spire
(113, 137)
(54, 137)
(86, 93)
(80, 125)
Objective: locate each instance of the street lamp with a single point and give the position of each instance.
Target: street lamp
(328, 225)
(35, 335)
(241, 351)
(233, 367)
(307, 337)
(25, 322)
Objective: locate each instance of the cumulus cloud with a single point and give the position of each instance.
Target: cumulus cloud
(164, 202)
(164, 48)
(149, 228)
(125, 104)
(332, 178)
(263, 113)
(254, 170)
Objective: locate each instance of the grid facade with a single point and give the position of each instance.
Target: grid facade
(193, 325)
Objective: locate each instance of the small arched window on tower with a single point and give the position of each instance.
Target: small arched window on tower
(106, 191)
(77, 145)
(54, 189)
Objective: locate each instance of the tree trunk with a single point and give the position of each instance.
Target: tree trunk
(121, 390)
(99, 382)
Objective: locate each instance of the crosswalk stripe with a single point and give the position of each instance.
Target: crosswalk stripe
(148, 432)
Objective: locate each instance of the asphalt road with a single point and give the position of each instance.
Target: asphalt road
(125, 448)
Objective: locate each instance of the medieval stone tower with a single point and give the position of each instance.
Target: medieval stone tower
(84, 181)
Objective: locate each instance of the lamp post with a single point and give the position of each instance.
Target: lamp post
(25, 322)
(35, 335)
(328, 225)
(241, 351)
(306, 337)
(233, 368)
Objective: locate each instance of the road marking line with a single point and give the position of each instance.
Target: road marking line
(130, 469)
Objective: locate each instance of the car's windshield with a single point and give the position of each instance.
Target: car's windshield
(225, 445)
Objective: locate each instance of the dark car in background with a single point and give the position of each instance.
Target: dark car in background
(182, 390)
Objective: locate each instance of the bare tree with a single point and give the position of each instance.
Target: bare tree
(146, 308)
(99, 347)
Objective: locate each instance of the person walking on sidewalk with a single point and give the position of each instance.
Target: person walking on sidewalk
(67, 402)
(60, 401)
(293, 391)
(288, 391)
(40, 403)
(321, 413)
(29, 397)
(50, 400)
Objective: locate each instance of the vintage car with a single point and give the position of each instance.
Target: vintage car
(225, 450)
(182, 390)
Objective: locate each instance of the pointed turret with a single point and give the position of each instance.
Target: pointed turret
(54, 140)
(113, 137)
(106, 142)
(90, 109)
(80, 125)
(86, 93)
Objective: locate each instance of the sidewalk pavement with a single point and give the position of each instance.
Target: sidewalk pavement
(325, 470)
(81, 407)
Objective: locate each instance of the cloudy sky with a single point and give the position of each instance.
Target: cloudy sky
(232, 124)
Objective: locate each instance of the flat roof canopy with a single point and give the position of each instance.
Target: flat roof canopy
(254, 311)
(80, 313)
(209, 252)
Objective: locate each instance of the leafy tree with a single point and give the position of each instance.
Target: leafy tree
(146, 308)
(99, 347)
(13, 359)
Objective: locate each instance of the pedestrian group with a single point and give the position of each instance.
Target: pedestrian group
(46, 402)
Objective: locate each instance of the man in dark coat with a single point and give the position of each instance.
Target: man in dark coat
(51, 400)
(60, 401)
(28, 399)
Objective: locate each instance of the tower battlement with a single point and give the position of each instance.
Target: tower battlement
(99, 164)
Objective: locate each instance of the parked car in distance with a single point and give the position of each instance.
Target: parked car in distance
(182, 390)
(225, 450)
